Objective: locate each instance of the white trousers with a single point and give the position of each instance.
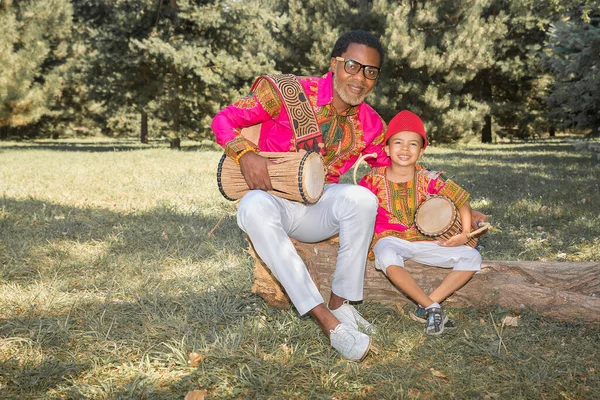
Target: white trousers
(393, 251)
(270, 221)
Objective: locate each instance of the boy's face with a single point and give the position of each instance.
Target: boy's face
(405, 148)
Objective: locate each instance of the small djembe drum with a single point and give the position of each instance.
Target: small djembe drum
(298, 176)
(438, 217)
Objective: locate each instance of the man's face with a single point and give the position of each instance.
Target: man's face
(352, 89)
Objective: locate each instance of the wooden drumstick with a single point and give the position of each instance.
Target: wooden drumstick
(484, 226)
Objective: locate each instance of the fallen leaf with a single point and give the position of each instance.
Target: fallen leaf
(482, 321)
(439, 374)
(194, 359)
(195, 395)
(511, 321)
(399, 308)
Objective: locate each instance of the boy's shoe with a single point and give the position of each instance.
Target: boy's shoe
(418, 315)
(348, 315)
(436, 319)
(349, 342)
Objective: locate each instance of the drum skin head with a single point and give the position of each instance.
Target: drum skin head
(313, 177)
(435, 216)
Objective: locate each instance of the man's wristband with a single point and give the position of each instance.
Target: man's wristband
(241, 153)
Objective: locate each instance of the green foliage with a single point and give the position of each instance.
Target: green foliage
(575, 61)
(94, 67)
(433, 55)
(34, 54)
(514, 84)
(178, 61)
(312, 28)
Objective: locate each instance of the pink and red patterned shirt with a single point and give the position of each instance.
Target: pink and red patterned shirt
(358, 131)
(398, 202)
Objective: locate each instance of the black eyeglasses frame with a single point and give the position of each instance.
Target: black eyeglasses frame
(363, 67)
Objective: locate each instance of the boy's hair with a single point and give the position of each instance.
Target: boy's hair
(406, 121)
(358, 37)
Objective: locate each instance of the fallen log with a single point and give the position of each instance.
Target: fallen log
(561, 290)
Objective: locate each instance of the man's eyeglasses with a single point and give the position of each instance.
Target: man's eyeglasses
(353, 67)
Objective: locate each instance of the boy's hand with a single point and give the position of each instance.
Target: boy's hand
(455, 240)
(477, 217)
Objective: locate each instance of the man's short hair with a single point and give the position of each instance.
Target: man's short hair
(358, 37)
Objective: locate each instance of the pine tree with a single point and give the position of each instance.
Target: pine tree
(435, 50)
(34, 55)
(575, 62)
(177, 62)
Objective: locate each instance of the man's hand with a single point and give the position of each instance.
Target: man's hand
(477, 217)
(254, 170)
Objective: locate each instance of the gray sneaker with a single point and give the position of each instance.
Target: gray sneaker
(349, 342)
(418, 315)
(436, 319)
(348, 315)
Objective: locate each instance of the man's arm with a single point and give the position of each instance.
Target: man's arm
(227, 126)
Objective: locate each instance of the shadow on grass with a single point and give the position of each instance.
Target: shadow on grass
(90, 147)
(101, 147)
(57, 350)
(33, 381)
(31, 229)
(71, 255)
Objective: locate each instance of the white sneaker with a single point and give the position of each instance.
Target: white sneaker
(350, 343)
(348, 315)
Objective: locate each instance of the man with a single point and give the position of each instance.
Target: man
(349, 128)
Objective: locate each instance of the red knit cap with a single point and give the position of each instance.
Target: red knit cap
(406, 121)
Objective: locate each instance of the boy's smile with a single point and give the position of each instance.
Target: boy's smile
(405, 148)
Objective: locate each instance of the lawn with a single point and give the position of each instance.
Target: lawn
(109, 280)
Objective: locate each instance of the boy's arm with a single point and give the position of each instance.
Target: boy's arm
(463, 237)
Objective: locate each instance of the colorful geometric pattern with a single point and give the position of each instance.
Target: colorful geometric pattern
(239, 146)
(400, 200)
(267, 96)
(245, 103)
(355, 138)
(289, 92)
(342, 136)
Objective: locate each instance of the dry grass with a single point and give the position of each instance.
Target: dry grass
(109, 280)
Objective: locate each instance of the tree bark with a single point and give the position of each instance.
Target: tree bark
(561, 290)
(486, 93)
(144, 127)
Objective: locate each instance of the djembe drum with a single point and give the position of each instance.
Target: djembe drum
(298, 176)
(438, 217)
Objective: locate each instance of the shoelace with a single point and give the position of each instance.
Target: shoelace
(346, 339)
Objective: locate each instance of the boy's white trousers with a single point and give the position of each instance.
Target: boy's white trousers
(270, 221)
(393, 251)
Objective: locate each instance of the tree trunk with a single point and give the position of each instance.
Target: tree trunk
(486, 133)
(486, 93)
(174, 140)
(561, 290)
(144, 127)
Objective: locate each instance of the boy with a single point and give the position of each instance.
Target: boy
(400, 189)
